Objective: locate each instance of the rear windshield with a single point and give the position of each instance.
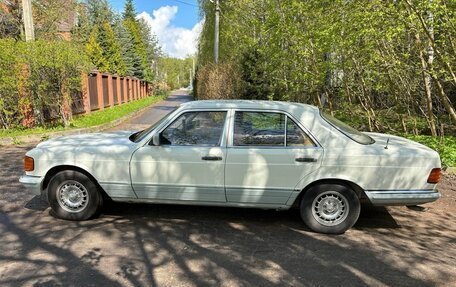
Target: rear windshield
(347, 130)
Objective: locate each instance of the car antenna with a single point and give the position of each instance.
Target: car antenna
(387, 142)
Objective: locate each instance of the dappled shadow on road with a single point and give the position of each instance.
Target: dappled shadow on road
(150, 245)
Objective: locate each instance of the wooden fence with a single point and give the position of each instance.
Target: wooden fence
(101, 90)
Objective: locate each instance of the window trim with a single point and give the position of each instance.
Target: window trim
(177, 115)
(230, 143)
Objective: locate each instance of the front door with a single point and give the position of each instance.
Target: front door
(268, 155)
(189, 162)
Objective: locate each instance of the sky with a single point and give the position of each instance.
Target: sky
(176, 23)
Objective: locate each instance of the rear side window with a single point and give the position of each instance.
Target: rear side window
(268, 129)
(195, 129)
(296, 137)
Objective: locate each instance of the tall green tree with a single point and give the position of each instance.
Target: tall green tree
(94, 51)
(388, 63)
(144, 45)
(126, 47)
(129, 10)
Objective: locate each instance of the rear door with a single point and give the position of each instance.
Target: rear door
(268, 153)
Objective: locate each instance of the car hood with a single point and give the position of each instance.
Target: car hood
(95, 139)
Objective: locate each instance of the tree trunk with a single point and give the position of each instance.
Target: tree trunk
(428, 90)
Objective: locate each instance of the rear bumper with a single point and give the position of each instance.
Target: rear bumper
(402, 197)
(32, 183)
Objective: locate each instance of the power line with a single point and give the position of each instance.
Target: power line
(186, 3)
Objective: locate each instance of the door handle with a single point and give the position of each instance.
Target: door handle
(306, 159)
(211, 158)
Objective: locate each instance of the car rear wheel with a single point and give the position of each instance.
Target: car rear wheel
(73, 196)
(330, 208)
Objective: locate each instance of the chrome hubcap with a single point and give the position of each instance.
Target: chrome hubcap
(330, 208)
(72, 196)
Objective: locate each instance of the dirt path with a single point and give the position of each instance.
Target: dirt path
(167, 245)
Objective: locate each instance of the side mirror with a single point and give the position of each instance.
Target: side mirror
(156, 140)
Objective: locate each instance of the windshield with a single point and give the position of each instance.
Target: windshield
(347, 130)
(139, 136)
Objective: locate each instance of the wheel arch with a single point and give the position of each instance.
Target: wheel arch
(56, 169)
(355, 187)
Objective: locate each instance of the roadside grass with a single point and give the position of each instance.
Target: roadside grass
(87, 120)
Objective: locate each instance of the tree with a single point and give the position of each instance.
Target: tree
(10, 20)
(126, 47)
(366, 61)
(99, 12)
(51, 16)
(129, 11)
(95, 51)
(112, 51)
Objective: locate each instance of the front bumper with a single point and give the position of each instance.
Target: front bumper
(402, 197)
(32, 183)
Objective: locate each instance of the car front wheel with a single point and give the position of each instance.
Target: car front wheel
(330, 208)
(73, 196)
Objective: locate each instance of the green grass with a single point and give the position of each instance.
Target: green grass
(111, 114)
(87, 120)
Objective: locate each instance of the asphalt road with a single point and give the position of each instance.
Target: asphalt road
(155, 112)
(168, 245)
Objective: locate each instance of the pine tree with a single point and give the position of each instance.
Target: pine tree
(99, 12)
(112, 51)
(126, 47)
(129, 11)
(139, 59)
(95, 51)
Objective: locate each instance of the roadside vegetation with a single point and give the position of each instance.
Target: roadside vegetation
(87, 120)
(383, 66)
(41, 80)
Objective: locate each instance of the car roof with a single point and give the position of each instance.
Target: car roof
(248, 104)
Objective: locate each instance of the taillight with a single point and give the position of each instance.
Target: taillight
(29, 163)
(435, 175)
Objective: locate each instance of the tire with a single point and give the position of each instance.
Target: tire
(73, 196)
(330, 208)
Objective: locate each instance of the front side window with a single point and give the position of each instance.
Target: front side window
(259, 129)
(195, 128)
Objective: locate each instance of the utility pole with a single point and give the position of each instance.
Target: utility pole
(217, 31)
(28, 20)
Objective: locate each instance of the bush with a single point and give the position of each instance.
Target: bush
(9, 82)
(221, 81)
(37, 80)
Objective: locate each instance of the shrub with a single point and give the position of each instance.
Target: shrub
(37, 80)
(221, 81)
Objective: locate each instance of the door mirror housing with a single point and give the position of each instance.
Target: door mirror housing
(156, 139)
